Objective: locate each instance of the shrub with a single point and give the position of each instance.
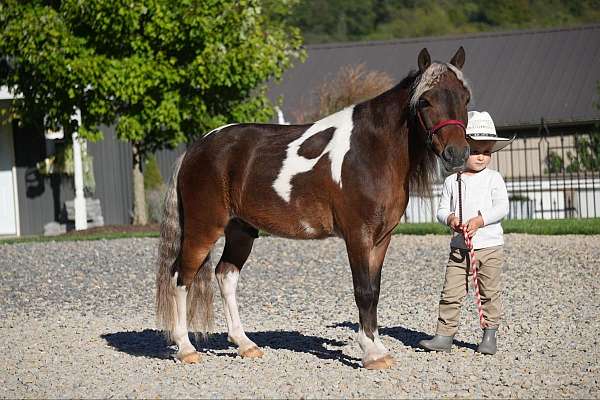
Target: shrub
(152, 178)
(154, 203)
(351, 85)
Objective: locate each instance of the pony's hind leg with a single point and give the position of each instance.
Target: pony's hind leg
(193, 291)
(186, 352)
(239, 238)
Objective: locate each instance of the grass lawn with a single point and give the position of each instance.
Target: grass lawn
(590, 226)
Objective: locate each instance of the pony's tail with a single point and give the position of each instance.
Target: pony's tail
(200, 293)
(168, 255)
(200, 315)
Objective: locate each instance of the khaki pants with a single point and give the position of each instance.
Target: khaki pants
(489, 267)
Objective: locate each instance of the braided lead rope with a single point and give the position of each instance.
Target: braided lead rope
(469, 243)
(473, 261)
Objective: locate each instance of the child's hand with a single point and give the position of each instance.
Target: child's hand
(474, 224)
(454, 223)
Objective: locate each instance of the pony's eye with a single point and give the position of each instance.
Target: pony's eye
(422, 103)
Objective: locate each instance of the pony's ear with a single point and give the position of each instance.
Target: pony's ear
(424, 60)
(458, 60)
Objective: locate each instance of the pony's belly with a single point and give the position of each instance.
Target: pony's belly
(310, 223)
(300, 230)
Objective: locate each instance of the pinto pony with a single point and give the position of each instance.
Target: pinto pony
(346, 175)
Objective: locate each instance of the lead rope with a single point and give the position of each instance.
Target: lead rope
(469, 244)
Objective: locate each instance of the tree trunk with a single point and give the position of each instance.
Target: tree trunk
(140, 216)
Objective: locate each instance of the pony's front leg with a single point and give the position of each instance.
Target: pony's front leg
(239, 238)
(366, 261)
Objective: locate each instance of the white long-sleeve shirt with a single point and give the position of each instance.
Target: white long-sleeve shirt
(482, 193)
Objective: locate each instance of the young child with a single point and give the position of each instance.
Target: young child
(484, 205)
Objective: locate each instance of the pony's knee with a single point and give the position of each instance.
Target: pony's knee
(223, 268)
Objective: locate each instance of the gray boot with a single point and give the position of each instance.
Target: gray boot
(488, 343)
(437, 343)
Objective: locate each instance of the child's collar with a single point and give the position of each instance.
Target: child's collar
(471, 173)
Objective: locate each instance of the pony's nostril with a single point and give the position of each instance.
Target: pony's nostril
(449, 153)
(466, 152)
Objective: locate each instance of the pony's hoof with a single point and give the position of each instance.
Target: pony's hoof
(384, 362)
(190, 358)
(252, 352)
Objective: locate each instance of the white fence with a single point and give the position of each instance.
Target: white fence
(529, 199)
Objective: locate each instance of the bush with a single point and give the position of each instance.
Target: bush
(352, 84)
(153, 180)
(155, 189)
(154, 203)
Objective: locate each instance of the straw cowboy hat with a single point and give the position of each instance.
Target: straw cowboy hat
(481, 127)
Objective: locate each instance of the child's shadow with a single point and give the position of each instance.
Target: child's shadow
(407, 336)
(151, 343)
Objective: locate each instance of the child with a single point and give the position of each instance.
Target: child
(484, 204)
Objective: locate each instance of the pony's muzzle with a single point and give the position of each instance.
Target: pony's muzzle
(454, 157)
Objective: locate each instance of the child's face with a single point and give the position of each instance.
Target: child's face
(481, 155)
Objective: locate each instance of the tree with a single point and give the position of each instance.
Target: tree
(163, 72)
(352, 20)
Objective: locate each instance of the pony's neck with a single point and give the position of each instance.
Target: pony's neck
(393, 122)
(391, 109)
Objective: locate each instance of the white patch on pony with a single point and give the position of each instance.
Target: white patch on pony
(431, 77)
(337, 148)
(220, 128)
(306, 228)
(372, 349)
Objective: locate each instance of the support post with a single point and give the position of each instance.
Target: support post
(79, 202)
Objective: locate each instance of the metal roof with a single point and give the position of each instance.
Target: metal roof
(518, 76)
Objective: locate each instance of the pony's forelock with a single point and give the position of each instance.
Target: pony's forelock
(431, 77)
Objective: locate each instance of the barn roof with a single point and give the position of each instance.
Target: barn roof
(518, 76)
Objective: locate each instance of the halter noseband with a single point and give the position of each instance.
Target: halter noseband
(434, 129)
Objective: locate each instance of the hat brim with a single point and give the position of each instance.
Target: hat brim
(501, 142)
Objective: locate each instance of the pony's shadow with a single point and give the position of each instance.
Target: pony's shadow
(408, 337)
(151, 343)
(147, 343)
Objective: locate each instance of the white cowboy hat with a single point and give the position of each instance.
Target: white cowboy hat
(481, 127)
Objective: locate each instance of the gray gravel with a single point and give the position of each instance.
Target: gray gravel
(77, 321)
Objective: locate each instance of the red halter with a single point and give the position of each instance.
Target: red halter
(433, 130)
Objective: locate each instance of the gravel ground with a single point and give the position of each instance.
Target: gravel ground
(76, 320)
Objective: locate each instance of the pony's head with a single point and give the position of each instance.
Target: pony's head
(439, 101)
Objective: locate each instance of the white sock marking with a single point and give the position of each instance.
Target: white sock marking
(228, 284)
(372, 349)
(180, 334)
(337, 148)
